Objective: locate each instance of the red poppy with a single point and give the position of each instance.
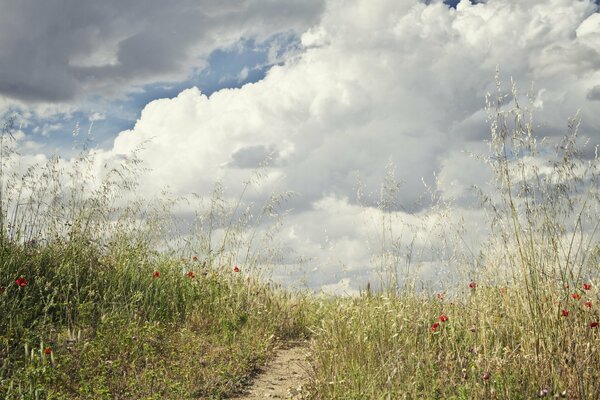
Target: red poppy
(195, 258)
(486, 376)
(564, 313)
(594, 324)
(47, 351)
(588, 304)
(156, 274)
(473, 285)
(435, 326)
(191, 274)
(576, 296)
(443, 318)
(236, 269)
(587, 286)
(22, 282)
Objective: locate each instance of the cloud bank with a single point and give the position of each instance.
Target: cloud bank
(58, 51)
(395, 81)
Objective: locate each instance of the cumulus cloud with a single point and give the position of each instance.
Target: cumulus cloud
(384, 81)
(377, 82)
(60, 50)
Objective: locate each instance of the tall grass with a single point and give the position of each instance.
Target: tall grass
(527, 327)
(97, 302)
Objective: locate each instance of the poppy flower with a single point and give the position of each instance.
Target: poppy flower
(443, 318)
(195, 258)
(594, 324)
(473, 285)
(588, 304)
(156, 274)
(47, 351)
(236, 269)
(440, 296)
(564, 313)
(191, 274)
(486, 376)
(576, 296)
(587, 286)
(22, 282)
(435, 326)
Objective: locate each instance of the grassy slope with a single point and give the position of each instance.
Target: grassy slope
(93, 327)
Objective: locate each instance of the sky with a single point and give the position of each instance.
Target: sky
(333, 93)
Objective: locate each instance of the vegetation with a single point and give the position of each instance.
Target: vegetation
(526, 328)
(94, 307)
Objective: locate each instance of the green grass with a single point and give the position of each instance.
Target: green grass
(91, 326)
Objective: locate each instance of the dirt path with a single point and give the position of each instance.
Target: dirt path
(284, 377)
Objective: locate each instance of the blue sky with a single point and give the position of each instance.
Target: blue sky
(246, 61)
(333, 93)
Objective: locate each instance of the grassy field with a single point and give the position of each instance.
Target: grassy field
(93, 307)
(77, 324)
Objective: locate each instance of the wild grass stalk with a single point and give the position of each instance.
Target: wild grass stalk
(525, 327)
(97, 302)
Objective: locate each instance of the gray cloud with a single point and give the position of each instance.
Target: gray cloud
(58, 50)
(594, 94)
(254, 157)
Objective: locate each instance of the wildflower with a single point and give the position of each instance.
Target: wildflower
(47, 351)
(473, 285)
(195, 258)
(191, 274)
(566, 285)
(443, 318)
(156, 274)
(486, 376)
(440, 296)
(435, 326)
(543, 392)
(564, 313)
(588, 304)
(594, 324)
(236, 269)
(576, 296)
(22, 282)
(587, 286)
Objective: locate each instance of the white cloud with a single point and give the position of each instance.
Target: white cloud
(377, 81)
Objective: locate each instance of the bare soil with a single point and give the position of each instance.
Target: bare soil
(284, 377)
